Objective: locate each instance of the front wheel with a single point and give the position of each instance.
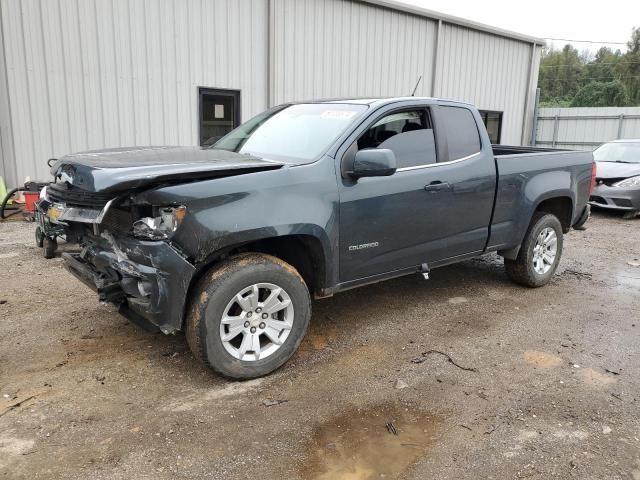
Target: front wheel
(248, 315)
(539, 254)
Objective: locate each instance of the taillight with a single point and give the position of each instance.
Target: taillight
(593, 178)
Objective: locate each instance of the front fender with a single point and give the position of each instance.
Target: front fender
(229, 212)
(217, 245)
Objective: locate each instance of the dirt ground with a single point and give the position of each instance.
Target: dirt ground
(478, 377)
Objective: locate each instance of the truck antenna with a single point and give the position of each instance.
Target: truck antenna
(413, 94)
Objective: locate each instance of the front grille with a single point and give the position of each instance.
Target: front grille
(117, 220)
(76, 197)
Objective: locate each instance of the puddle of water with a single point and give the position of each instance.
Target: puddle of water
(628, 280)
(594, 378)
(542, 359)
(358, 446)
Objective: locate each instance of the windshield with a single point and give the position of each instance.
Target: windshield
(299, 132)
(625, 152)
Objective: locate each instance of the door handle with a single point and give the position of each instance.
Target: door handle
(438, 186)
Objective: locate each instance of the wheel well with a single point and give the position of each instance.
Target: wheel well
(303, 252)
(561, 207)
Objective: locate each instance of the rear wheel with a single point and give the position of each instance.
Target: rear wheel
(539, 254)
(248, 316)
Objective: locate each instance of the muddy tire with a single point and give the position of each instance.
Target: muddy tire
(49, 246)
(539, 254)
(248, 315)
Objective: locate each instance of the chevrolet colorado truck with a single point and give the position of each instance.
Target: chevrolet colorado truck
(229, 243)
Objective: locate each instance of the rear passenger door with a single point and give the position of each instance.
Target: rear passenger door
(467, 167)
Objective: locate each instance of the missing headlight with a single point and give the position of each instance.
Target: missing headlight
(162, 225)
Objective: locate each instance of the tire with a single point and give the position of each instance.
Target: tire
(215, 296)
(49, 246)
(630, 215)
(522, 270)
(39, 237)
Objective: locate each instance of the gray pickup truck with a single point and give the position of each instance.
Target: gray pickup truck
(229, 242)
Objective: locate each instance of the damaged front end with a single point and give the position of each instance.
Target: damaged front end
(126, 254)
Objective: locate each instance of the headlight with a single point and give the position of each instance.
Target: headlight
(162, 226)
(629, 182)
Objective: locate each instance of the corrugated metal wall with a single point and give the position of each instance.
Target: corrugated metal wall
(585, 128)
(7, 162)
(86, 74)
(337, 48)
(489, 71)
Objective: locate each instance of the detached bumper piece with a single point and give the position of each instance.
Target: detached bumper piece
(147, 280)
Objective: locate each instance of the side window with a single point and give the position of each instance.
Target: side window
(463, 138)
(407, 134)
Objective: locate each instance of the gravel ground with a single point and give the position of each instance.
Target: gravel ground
(478, 377)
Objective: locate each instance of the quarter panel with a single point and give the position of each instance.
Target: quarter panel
(526, 180)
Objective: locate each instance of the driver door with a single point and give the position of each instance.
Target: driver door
(387, 223)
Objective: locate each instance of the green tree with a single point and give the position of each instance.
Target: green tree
(560, 73)
(601, 94)
(631, 68)
(608, 78)
(605, 67)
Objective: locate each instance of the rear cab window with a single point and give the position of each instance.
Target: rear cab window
(463, 137)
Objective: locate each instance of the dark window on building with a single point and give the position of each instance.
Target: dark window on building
(463, 138)
(219, 113)
(493, 122)
(408, 134)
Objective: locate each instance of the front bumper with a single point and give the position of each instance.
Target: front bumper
(615, 198)
(148, 280)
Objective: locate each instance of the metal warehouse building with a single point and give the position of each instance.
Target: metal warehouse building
(84, 74)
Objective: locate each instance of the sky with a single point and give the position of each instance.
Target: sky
(609, 21)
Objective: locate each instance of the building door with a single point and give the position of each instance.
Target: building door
(219, 113)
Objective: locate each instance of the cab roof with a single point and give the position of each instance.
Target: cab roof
(379, 100)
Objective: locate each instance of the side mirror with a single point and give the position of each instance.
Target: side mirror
(374, 163)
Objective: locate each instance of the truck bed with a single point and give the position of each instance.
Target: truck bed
(526, 173)
(501, 150)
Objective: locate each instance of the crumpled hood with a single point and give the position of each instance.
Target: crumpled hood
(119, 169)
(607, 170)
